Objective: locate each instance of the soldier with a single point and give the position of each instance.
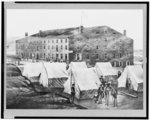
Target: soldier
(119, 74)
(100, 93)
(128, 83)
(67, 65)
(95, 97)
(102, 80)
(114, 94)
(107, 90)
(72, 93)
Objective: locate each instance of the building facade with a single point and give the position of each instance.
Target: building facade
(94, 44)
(43, 48)
(110, 46)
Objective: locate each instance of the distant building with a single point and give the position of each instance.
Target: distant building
(40, 48)
(103, 44)
(91, 44)
(12, 59)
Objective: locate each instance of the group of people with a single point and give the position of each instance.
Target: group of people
(106, 89)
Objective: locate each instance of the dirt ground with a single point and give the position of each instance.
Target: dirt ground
(124, 102)
(26, 99)
(18, 99)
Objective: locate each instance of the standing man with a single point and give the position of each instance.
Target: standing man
(32, 57)
(102, 80)
(100, 93)
(119, 74)
(107, 92)
(128, 83)
(67, 65)
(72, 93)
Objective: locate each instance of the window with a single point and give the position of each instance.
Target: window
(120, 64)
(44, 55)
(127, 62)
(41, 55)
(114, 55)
(61, 40)
(56, 55)
(114, 64)
(52, 41)
(48, 41)
(48, 47)
(44, 47)
(65, 56)
(88, 57)
(56, 41)
(61, 56)
(44, 41)
(61, 47)
(105, 39)
(52, 47)
(66, 47)
(126, 54)
(105, 56)
(78, 58)
(120, 55)
(97, 47)
(56, 47)
(66, 40)
(96, 56)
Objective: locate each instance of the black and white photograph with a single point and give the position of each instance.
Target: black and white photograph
(75, 57)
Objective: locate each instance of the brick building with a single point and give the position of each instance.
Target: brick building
(46, 48)
(91, 44)
(103, 44)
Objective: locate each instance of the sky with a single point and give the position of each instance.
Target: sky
(20, 21)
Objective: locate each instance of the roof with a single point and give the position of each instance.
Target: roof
(52, 70)
(56, 70)
(86, 79)
(77, 65)
(105, 69)
(32, 69)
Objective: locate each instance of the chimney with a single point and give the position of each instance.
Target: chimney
(26, 34)
(40, 32)
(124, 32)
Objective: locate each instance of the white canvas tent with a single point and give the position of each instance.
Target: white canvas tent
(32, 69)
(105, 69)
(74, 65)
(86, 82)
(55, 71)
(135, 73)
